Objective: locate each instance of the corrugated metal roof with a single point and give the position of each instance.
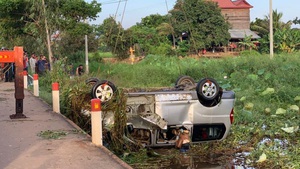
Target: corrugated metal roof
(241, 33)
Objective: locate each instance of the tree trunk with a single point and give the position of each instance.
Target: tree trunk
(48, 37)
(174, 41)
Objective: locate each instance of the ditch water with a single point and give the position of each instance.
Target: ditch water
(167, 160)
(171, 158)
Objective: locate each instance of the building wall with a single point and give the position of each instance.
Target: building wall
(238, 18)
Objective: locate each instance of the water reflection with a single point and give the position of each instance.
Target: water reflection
(192, 162)
(173, 159)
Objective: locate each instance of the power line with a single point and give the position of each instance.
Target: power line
(112, 2)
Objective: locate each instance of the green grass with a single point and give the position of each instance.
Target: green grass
(249, 76)
(46, 96)
(51, 134)
(101, 54)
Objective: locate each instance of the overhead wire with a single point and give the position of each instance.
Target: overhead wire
(112, 2)
(123, 14)
(121, 24)
(114, 17)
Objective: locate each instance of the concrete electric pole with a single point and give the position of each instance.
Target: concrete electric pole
(86, 53)
(271, 31)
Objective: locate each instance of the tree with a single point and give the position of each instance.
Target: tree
(202, 21)
(37, 21)
(247, 43)
(166, 29)
(296, 21)
(153, 20)
(115, 38)
(285, 38)
(262, 25)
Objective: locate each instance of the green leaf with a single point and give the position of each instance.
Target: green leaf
(253, 77)
(268, 91)
(280, 111)
(290, 129)
(297, 98)
(243, 98)
(261, 72)
(262, 158)
(267, 110)
(268, 76)
(249, 106)
(294, 107)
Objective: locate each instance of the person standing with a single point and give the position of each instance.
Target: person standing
(32, 62)
(79, 70)
(37, 62)
(42, 65)
(25, 61)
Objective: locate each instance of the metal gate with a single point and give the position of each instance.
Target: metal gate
(16, 56)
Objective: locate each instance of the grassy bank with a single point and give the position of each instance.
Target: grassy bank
(267, 104)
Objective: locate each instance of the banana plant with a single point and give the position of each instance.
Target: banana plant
(287, 40)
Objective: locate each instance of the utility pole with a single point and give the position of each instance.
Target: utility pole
(271, 31)
(86, 54)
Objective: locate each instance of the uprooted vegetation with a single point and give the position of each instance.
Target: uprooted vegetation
(265, 133)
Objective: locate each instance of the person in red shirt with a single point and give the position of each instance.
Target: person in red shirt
(25, 62)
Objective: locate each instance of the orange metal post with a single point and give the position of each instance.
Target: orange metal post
(16, 56)
(19, 83)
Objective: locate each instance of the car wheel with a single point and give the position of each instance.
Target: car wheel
(208, 92)
(92, 81)
(103, 90)
(185, 82)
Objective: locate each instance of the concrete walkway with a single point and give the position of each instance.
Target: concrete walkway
(22, 148)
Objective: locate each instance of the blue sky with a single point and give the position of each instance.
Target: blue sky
(137, 9)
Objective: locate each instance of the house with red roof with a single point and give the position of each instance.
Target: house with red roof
(237, 13)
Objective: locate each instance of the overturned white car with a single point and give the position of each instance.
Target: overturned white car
(156, 118)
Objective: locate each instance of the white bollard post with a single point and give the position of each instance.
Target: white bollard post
(55, 97)
(25, 79)
(96, 122)
(36, 84)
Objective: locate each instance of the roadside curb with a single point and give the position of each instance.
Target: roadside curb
(125, 165)
(103, 148)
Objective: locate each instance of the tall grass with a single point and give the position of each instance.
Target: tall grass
(248, 75)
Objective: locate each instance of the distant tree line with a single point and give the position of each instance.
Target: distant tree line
(57, 28)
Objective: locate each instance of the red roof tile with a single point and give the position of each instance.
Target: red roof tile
(233, 4)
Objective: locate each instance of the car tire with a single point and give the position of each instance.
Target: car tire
(185, 82)
(208, 92)
(103, 90)
(92, 81)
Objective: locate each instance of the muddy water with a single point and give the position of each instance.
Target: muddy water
(173, 159)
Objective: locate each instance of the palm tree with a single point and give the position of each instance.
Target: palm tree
(262, 25)
(278, 23)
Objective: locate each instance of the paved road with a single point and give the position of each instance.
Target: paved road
(22, 148)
